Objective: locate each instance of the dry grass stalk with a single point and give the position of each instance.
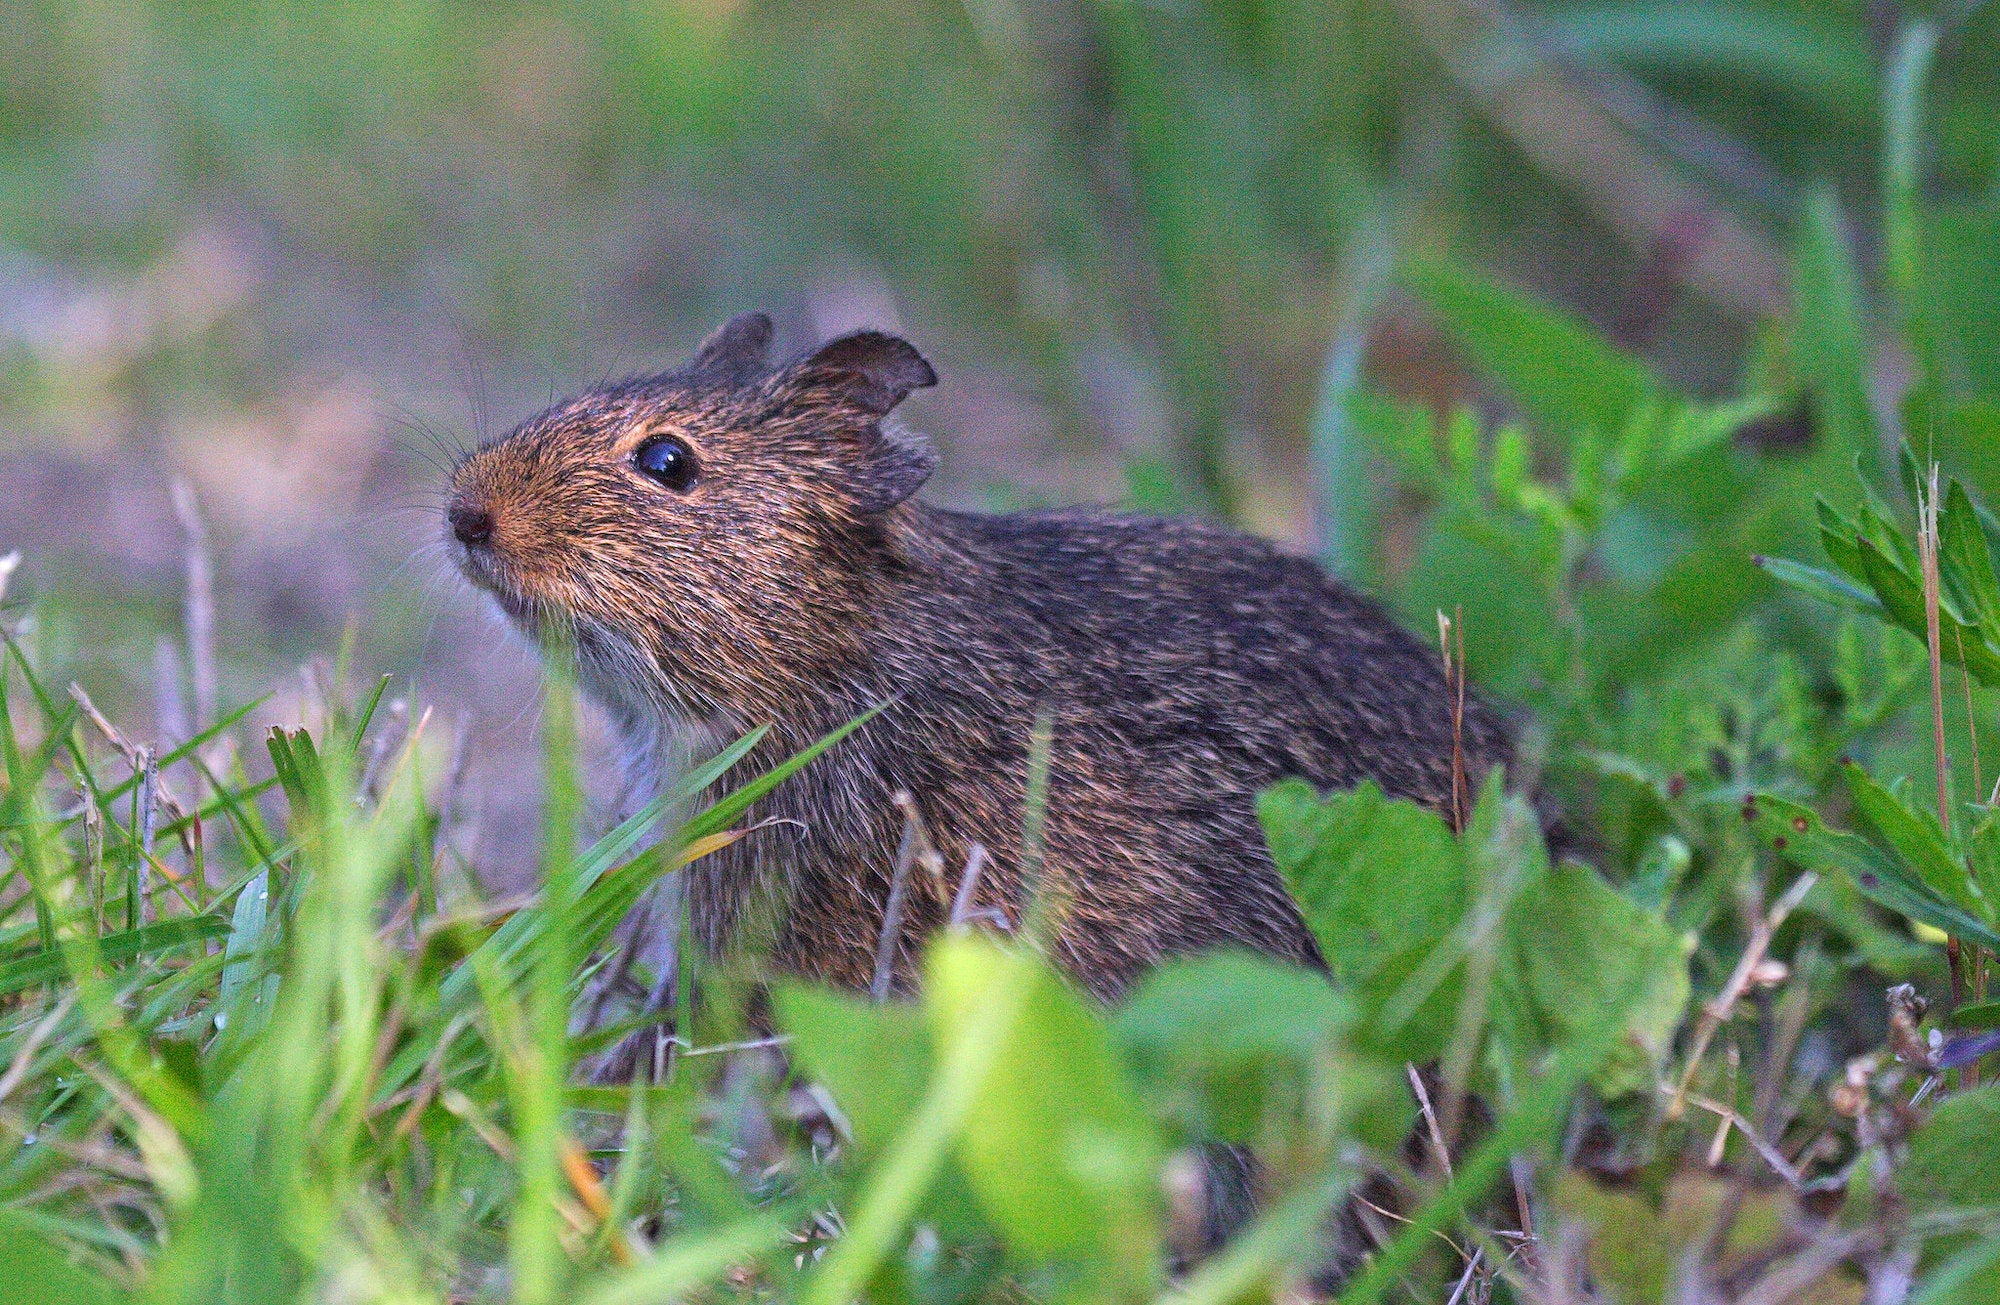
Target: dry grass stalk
(24, 1058)
(892, 915)
(1451, 643)
(963, 912)
(1927, 555)
(1439, 1151)
(1471, 1279)
(200, 615)
(135, 756)
(149, 817)
(1730, 1118)
(1719, 1010)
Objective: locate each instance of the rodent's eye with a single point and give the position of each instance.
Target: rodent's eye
(667, 460)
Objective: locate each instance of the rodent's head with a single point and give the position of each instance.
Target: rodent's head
(700, 532)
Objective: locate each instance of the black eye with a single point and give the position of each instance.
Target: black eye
(668, 461)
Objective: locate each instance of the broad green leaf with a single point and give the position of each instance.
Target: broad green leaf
(1380, 883)
(1054, 1145)
(1396, 903)
(1227, 1038)
(1954, 1164)
(1954, 1157)
(1985, 1015)
(1617, 950)
(873, 1058)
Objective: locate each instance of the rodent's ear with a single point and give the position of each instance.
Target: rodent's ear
(736, 351)
(873, 370)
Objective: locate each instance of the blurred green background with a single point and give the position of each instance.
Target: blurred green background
(296, 254)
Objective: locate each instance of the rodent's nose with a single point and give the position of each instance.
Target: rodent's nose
(471, 526)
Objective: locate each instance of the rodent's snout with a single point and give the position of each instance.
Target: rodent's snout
(471, 524)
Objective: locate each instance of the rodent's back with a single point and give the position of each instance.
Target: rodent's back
(1186, 667)
(1189, 633)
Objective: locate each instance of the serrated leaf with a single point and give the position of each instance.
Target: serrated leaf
(1911, 835)
(1798, 832)
(1965, 566)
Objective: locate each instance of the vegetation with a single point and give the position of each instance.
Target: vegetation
(264, 1036)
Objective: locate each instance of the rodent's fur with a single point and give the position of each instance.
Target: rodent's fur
(798, 583)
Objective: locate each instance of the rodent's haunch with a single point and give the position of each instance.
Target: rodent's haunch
(732, 545)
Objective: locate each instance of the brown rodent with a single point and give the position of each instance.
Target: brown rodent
(731, 545)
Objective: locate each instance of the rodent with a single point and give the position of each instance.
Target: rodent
(733, 544)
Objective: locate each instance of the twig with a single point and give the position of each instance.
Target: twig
(1430, 1119)
(1773, 1157)
(1391, 1215)
(1465, 1279)
(1719, 1146)
(927, 855)
(962, 911)
(892, 914)
(1442, 1152)
(1715, 1012)
(1516, 1166)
